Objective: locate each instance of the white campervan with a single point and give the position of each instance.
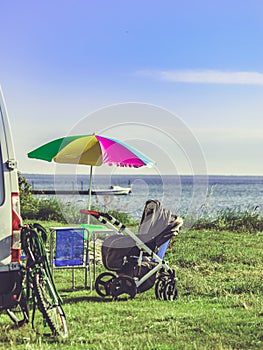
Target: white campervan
(10, 221)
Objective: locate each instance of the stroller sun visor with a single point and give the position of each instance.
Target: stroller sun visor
(158, 223)
(157, 226)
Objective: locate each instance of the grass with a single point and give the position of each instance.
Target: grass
(220, 304)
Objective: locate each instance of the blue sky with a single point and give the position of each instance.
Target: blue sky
(200, 60)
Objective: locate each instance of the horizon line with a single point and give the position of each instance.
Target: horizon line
(252, 175)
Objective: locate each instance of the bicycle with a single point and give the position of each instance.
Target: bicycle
(38, 286)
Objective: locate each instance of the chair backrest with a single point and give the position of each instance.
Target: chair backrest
(69, 247)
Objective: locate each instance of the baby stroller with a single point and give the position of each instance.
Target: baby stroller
(137, 260)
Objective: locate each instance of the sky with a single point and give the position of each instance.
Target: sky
(180, 80)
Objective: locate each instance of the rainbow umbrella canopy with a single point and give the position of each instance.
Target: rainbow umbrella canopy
(93, 150)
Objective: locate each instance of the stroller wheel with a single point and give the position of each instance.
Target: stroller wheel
(103, 283)
(123, 285)
(170, 291)
(159, 289)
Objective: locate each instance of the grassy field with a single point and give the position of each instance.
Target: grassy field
(220, 304)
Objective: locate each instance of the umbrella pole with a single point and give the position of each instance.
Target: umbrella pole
(90, 187)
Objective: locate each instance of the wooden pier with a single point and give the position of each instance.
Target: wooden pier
(61, 192)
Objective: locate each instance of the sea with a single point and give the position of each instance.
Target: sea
(182, 194)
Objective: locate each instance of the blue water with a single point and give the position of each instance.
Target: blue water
(182, 194)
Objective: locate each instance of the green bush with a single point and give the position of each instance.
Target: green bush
(37, 209)
(232, 219)
(28, 204)
(124, 218)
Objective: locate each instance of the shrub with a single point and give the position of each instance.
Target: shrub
(124, 218)
(28, 204)
(232, 219)
(37, 209)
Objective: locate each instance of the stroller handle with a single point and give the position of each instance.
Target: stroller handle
(102, 216)
(95, 213)
(90, 212)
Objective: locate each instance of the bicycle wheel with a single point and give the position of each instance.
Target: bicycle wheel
(49, 305)
(19, 314)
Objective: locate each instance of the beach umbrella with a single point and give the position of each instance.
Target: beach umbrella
(93, 150)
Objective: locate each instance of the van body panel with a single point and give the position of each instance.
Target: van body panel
(10, 272)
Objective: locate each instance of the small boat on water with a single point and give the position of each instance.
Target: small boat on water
(113, 190)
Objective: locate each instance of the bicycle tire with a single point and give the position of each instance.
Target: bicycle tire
(52, 311)
(19, 314)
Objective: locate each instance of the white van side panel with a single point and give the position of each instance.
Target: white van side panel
(9, 184)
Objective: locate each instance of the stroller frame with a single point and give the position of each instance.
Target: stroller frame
(107, 284)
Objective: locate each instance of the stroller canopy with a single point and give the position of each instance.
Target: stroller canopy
(158, 224)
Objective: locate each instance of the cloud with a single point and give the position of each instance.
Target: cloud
(252, 135)
(205, 76)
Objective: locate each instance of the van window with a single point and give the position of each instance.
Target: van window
(2, 192)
